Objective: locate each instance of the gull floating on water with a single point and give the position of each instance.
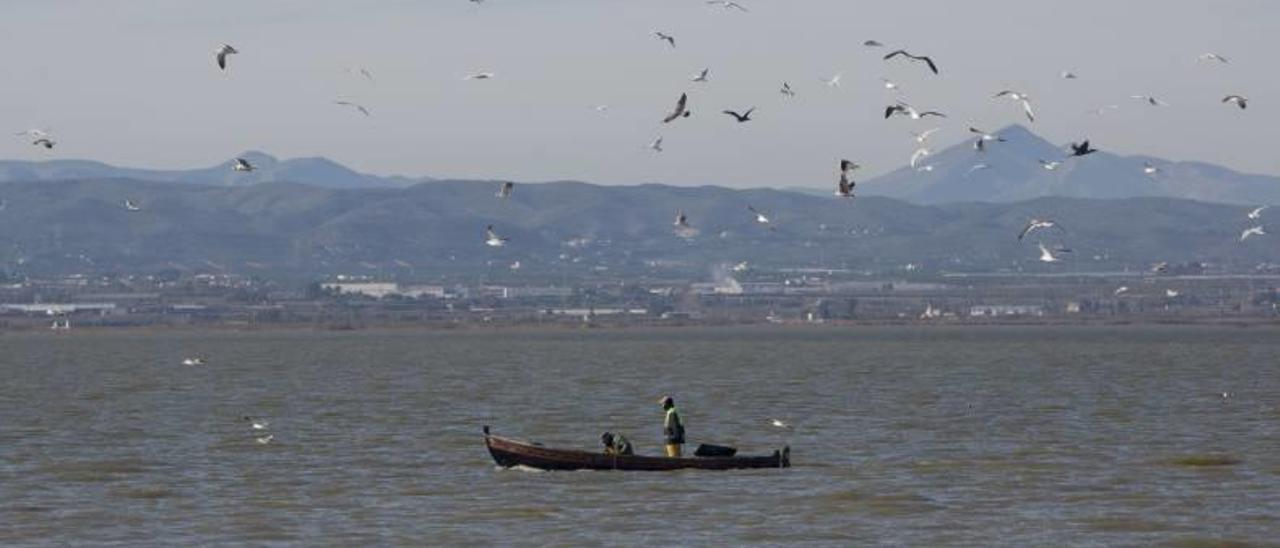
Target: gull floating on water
(779, 424)
(703, 76)
(491, 238)
(221, 54)
(669, 39)
(1255, 231)
(506, 189)
(681, 110)
(193, 361)
(1239, 100)
(1035, 224)
(255, 423)
(356, 106)
(242, 164)
(263, 440)
(1257, 213)
(919, 58)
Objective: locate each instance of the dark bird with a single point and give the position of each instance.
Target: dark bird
(221, 54)
(927, 60)
(1240, 100)
(681, 111)
(242, 164)
(1082, 149)
(983, 137)
(744, 117)
(669, 39)
(873, 44)
(909, 111)
(845, 187)
(505, 190)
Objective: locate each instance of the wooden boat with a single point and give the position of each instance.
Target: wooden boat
(508, 453)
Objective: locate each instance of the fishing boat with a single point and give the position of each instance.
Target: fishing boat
(509, 452)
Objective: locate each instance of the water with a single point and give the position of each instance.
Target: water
(905, 436)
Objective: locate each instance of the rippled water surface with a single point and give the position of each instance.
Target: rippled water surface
(908, 436)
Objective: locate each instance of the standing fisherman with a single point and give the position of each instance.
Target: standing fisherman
(672, 427)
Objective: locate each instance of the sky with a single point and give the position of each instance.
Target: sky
(133, 83)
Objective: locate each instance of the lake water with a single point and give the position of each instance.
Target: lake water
(903, 436)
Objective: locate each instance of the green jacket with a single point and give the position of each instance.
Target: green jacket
(672, 427)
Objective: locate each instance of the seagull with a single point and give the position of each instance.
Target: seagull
(45, 142)
(703, 76)
(1046, 256)
(362, 72)
(1150, 169)
(1049, 166)
(256, 424)
(1120, 290)
(263, 440)
(1160, 267)
(129, 205)
(1240, 100)
(926, 168)
(983, 137)
(1082, 149)
(682, 220)
(741, 267)
(975, 167)
(681, 110)
(1021, 98)
(356, 106)
(786, 90)
(242, 164)
(669, 39)
(844, 188)
(744, 117)
(193, 361)
(1213, 57)
(889, 84)
(505, 190)
(221, 55)
(1257, 213)
(515, 265)
(779, 424)
(1034, 224)
(728, 4)
(759, 217)
(491, 238)
(1171, 293)
(1068, 75)
(479, 76)
(928, 61)
(924, 135)
(1255, 231)
(834, 81)
(1150, 100)
(909, 111)
(656, 145)
(919, 154)
(602, 109)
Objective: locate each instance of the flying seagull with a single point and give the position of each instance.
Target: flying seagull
(1034, 224)
(479, 76)
(656, 145)
(356, 106)
(973, 168)
(919, 154)
(1150, 169)
(45, 142)
(909, 111)
(983, 137)
(263, 440)
(362, 72)
(786, 90)
(221, 55)
(760, 217)
(1120, 290)
(1257, 213)
(1020, 98)
(844, 188)
(728, 4)
(703, 76)
(873, 44)
(193, 361)
(834, 81)
(1255, 231)
(928, 61)
(889, 84)
(129, 205)
(242, 164)
(1150, 100)
(1048, 165)
(744, 117)
(1068, 75)
(491, 238)
(506, 189)
(682, 221)
(1082, 149)
(1172, 294)
(1213, 57)
(669, 39)
(1240, 100)
(923, 136)
(779, 424)
(1046, 256)
(680, 111)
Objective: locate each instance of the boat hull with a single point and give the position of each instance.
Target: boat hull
(509, 453)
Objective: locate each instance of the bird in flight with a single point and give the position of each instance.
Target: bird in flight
(779, 424)
(242, 165)
(45, 142)
(919, 58)
(703, 76)
(1020, 98)
(1082, 149)
(669, 39)
(786, 90)
(1048, 165)
(1150, 169)
(889, 84)
(193, 361)
(682, 220)
(1257, 213)
(1047, 256)
(1239, 100)
(656, 145)
(355, 106)
(844, 188)
(491, 238)
(1255, 231)
(681, 110)
(909, 111)
(479, 76)
(983, 138)
(506, 189)
(221, 54)
(130, 206)
(760, 217)
(728, 5)
(1150, 100)
(1035, 224)
(1068, 75)
(873, 44)
(923, 136)
(741, 118)
(919, 154)
(973, 168)
(834, 81)
(1213, 57)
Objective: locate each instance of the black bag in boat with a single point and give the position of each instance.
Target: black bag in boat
(708, 450)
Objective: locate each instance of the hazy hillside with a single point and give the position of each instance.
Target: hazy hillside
(438, 226)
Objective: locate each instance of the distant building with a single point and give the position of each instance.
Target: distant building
(1006, 310)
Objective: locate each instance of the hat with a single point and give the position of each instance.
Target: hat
(666, 400)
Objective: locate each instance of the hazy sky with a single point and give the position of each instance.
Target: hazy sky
(133, 82)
